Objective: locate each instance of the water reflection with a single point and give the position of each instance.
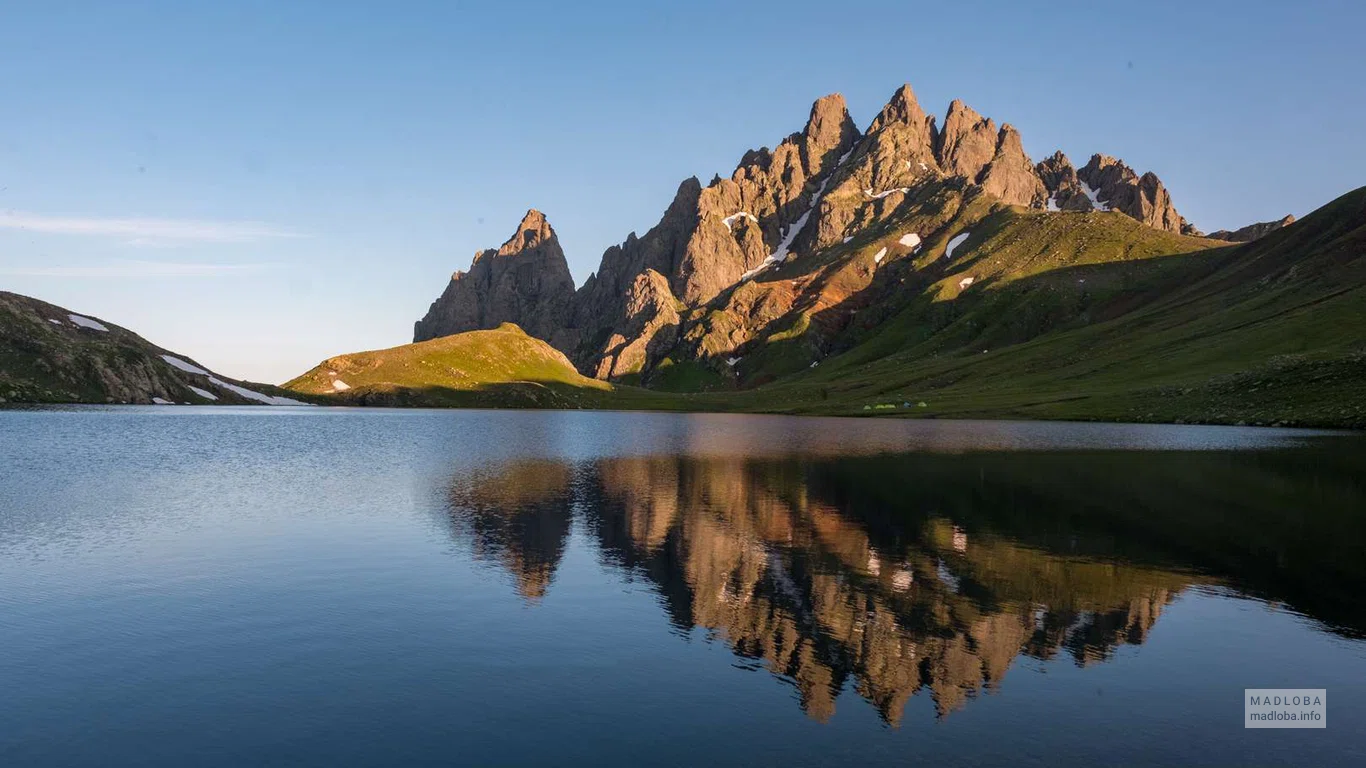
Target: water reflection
(896, 575)
(518, 514)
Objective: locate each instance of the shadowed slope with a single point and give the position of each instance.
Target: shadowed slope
(52, 355)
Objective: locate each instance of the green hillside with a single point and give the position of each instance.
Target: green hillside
(500, 368)
(1273, 331)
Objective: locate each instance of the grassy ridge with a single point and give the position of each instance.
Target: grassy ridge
(500, 368)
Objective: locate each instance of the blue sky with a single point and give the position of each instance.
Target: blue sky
(261, 185)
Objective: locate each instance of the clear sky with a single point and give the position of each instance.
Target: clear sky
(261, 185)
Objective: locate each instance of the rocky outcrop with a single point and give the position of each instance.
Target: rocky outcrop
(1252, 231)
(646, 329)
(1113, 185)
(525, 281)
(892, 159)
(708, 240)
(969, 141)
(1060, 180)
(1011, 175)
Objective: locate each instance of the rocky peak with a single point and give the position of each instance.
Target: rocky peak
(525, 281)
(1057, 172)
(896, 155)
(829, 128)
(1011, 175)
(534, 232)
(903, 109)
(1118, 187)
(1252, 231)
(1064, 190)
(968, 142)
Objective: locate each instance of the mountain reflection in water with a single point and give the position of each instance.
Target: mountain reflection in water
(932, 572)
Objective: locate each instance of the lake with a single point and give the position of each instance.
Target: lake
(326, 587)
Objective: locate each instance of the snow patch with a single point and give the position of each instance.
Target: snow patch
(160, 401)
(176, 362)
(55, 322)
(731, 219)
(204, 393)
(780, 255)
(86, 322)
(253, 395)
(910, 240)
(877, 258)
(884, 193)
(847, 239)
(731, 361)
(339, 386)
(1052, 204)
(965, 282)
(1094, 197)
(954, 243)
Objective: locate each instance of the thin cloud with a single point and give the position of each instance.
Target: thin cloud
(136, 269)
(142, 230)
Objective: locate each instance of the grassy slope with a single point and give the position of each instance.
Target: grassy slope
(1263, 333)
(498, 368)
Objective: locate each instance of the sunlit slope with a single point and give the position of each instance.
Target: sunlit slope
(503, 367)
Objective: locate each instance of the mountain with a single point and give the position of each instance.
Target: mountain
(525, 281)
(52, 355)
(847, 270)
(502, 367)
(1266, 332)
(679, 297)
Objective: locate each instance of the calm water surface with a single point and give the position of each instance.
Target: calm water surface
(236, 586)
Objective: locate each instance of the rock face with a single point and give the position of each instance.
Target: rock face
(707, 241)
(895, 157)
(1252, 231)
(704, 281)
(1059, 178)
(1011, 175)
(968, 143)
(526, 281)
(1115, 186)
(647, 327)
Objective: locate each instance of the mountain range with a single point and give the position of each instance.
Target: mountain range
(908, 268)
(817, 197)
